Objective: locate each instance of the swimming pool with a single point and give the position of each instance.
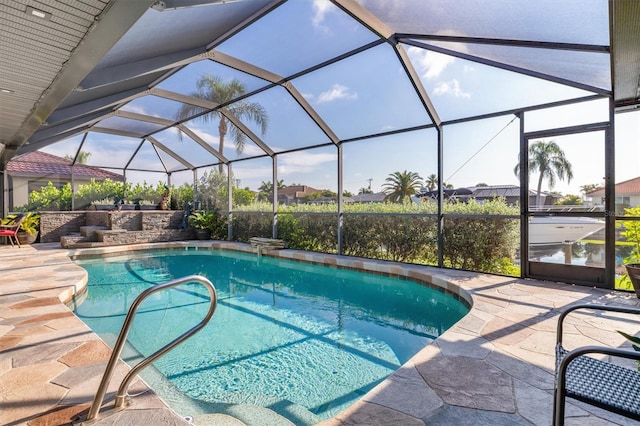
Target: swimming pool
(303, 340)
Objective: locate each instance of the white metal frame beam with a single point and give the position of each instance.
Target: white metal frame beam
(202, 143)
(170, 152)
(142, 67)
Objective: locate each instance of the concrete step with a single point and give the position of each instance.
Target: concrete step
(90, 231)
(107, 235)
(86, 244)
(70, 240)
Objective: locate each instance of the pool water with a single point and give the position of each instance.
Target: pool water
(285, 334)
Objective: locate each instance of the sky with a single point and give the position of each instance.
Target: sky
(369, 94)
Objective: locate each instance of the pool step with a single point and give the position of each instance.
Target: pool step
(205, 413)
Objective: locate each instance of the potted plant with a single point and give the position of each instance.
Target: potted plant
(635, 343)
(632, 262)
(29, 227)
(202, 222)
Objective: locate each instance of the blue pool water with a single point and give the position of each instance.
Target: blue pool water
(285, 334)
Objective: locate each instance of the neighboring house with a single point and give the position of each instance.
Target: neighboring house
(511, 193)
(627, 195)
(378, 197)
(31, 171)
(293, 194)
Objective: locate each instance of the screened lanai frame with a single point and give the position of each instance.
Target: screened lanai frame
(365, 13)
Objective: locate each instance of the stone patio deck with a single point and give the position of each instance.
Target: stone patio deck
(494, 367)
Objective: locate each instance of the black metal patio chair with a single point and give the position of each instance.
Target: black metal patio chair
(596, 382)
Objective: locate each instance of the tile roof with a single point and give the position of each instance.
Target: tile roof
(42, 164)
(378, 197)
(628, 187)
(501, 191)
(297, 191)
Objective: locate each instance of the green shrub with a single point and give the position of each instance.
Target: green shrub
(247, 225)
(49, 197)
(398, 232)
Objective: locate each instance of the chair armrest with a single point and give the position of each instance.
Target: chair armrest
(604, 350)
(563, 315)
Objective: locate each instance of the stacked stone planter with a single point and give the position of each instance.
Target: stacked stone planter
(102, 228)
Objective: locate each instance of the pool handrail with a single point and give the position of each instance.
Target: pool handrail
(122, 337)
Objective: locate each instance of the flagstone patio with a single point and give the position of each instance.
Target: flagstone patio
(494, 367)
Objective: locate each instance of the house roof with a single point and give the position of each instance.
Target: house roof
(500, 191)
(297, 191)
(628, 187)
(42, 164)
(378, 197)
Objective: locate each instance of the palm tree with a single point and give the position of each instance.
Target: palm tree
(213, 89)
(399, 186)
(431, 182)
(589, 187)
(83, 157)
(548, 159)
(265, 191)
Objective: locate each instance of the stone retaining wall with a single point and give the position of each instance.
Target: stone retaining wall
(54, 225)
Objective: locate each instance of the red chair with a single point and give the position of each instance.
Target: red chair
(11, 228)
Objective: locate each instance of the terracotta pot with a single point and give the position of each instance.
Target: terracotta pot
(26, 238)
(633, 271)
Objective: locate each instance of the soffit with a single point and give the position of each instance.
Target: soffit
(46, 55)
(34, 50)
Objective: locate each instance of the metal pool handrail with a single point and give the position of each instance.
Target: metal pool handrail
(122, 337)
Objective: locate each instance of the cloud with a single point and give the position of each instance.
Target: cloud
(250, 148)
(212, 140)
(450, 87)
(135, 108)
(308, 96)
(320, 9)
(428, 63)
(303, 162)
(337, 91)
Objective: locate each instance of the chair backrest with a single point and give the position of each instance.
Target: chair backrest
(15, 222)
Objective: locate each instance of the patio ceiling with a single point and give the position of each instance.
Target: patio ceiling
(98, 72)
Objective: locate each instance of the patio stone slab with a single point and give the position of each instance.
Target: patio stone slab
(141, 417)
(41, 354)
(29, 330)
(494, 367)
(61, 416)
(460, 416)
(505, 332)
(469, 382)
(367, 414)
(454, 344)
(7, 342)
(36, 303)
(45, 317)
(533, 403)
(420, 399)
(26, 390)
(518, 369)
(87, 353)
